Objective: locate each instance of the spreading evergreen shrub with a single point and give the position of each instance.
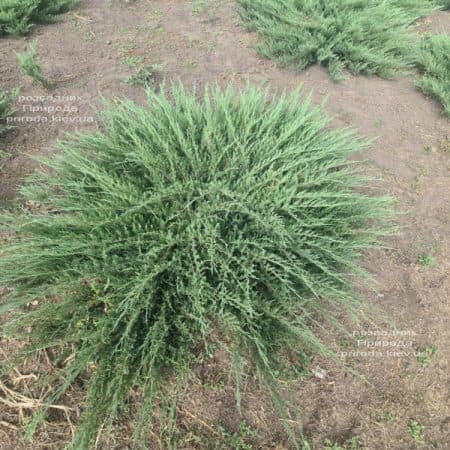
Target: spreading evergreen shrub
(362, 36)
(17, 16)
(434, 62)
(234, 220)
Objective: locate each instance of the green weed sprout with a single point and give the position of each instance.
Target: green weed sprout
(6, 100)
(30, 66)
(143, 77)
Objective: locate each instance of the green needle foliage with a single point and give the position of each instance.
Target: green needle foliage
(443, 4)
(6, 100)
(29, 65)
(233, 220)
(363, 36)
(143, 77)
(17, 16)
(434, 62)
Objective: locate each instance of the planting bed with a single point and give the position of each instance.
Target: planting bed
(399, 399)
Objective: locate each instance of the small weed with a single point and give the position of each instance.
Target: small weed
(419, 397)
(191, 439)
(416, 186)
(6, 99)
(427, 260)
(444, 145)
(199, 7)
(347, 343)
(305, 445)
(125, 50)
(425, 356)
(385, 416)
(141, 28)
(416, 430)
(126, 47)
(428, 149)
(155, 14)
(133, 61)
(419, 179)
(239, 440)
(191, 65)
(215, 385)
(379, 123)
(350, 444)
(196, 42)
(347, 117)
(328, 445)
(210, 47)
(295, 368)
(158, 30)
(31, 67)
(143, 77)
(3, 157)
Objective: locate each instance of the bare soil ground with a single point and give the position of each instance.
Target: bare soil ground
(90, 53)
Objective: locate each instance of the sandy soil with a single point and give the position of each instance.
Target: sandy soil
(90, 53)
